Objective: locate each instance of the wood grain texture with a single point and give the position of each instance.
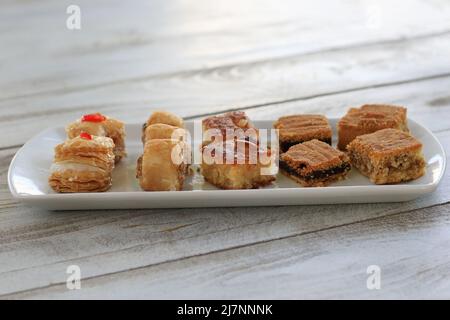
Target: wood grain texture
(313, 60)
(134, 39)
(331, 263)
(198, 58)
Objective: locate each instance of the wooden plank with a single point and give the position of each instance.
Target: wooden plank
(122, 41)
(236, 87)
(411, 250)
(427, 101)
(37, 246)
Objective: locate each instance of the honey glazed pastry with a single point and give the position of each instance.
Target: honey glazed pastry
(162, 166)
(83, 164)
(237, 164)
(295, 129)
(388, 156)
(163, 131)
(370, 118)
(161, 117)
(314, 164)
(231, 125)
(100, 125)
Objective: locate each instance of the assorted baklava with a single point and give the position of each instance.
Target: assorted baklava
(237, 164)
(83, 164)
(373, 138)
(162, 166)
(314, 163)
(164, 162)
(370, 118)
(227, 126)
(387, 156)
(100, 125)
(295, 129)
(232, 157)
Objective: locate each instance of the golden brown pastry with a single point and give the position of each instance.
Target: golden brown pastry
(230, 125)
(166, 118)
(83, 164)
(163, 131)
(165, 121)
(100, 125)
(162, 166)
(237, 164)
(370, 118)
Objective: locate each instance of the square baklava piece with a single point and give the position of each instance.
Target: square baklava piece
(296, 129)
(387, 156)
(230, 125)
(314, 163)
(237, 164)
(368, 119)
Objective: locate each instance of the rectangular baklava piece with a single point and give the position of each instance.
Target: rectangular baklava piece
(83, 164)
(368, 119)
(314, 163)
(231, 125)
(100, 125)
(237, 164)
(296, 129)
(387, 156)
(162, 166)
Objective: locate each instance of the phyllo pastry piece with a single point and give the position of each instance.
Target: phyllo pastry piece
(162, 166)
(100, 125)
(296, 129)
(231, 125)
(83, 164)
(314, 164)
(388, 156)
(166, 118)
(370, 118)
(163, 131)
(238, 164)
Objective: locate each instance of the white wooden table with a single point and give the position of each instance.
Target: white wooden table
(201, 57)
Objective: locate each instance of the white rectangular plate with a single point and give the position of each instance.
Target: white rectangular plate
(29, 170)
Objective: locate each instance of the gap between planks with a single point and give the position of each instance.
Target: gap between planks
(227, 66)
(326, 94)
(305, 98)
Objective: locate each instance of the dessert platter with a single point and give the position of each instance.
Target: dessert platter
(374, 153)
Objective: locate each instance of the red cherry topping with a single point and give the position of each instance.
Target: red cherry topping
(86, 136)
(93, 117)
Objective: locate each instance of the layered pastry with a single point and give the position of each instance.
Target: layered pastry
(162, 166)
(166, 118)
(231, 125)
(296, 129)
(83, 164)
(163, 131)
(370, 118)
(388, 156)
(237, 164)
(100, 125)
(314, 163)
